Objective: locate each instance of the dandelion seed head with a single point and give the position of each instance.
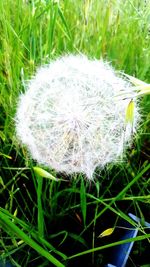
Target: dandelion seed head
(70, 117)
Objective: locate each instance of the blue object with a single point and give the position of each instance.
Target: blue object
(7, 264)
(121, 252)
(110, 265)
(136, 219)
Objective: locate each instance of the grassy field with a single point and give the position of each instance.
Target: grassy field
(49, 223)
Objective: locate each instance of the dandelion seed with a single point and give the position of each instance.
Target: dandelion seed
(69, 117)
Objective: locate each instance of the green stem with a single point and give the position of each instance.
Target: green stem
(129, 240)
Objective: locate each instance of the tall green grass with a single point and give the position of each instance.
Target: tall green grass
(46, 222)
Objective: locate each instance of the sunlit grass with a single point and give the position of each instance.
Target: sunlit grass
(44, 221)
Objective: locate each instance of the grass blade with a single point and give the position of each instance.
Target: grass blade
(83, 200)
(28, 240)
(138, 238)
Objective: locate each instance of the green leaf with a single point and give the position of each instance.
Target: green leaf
(143, 90)
(129, 117)
(40, 218)
(83, 200)
(39, 171)
(107, 232)
(128, 240)
(134, 80)
(141, 87)
(28, 240)
(6, 156)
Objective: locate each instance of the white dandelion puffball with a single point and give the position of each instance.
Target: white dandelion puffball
(71, 118)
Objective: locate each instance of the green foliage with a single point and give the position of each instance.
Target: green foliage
(48, 221)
